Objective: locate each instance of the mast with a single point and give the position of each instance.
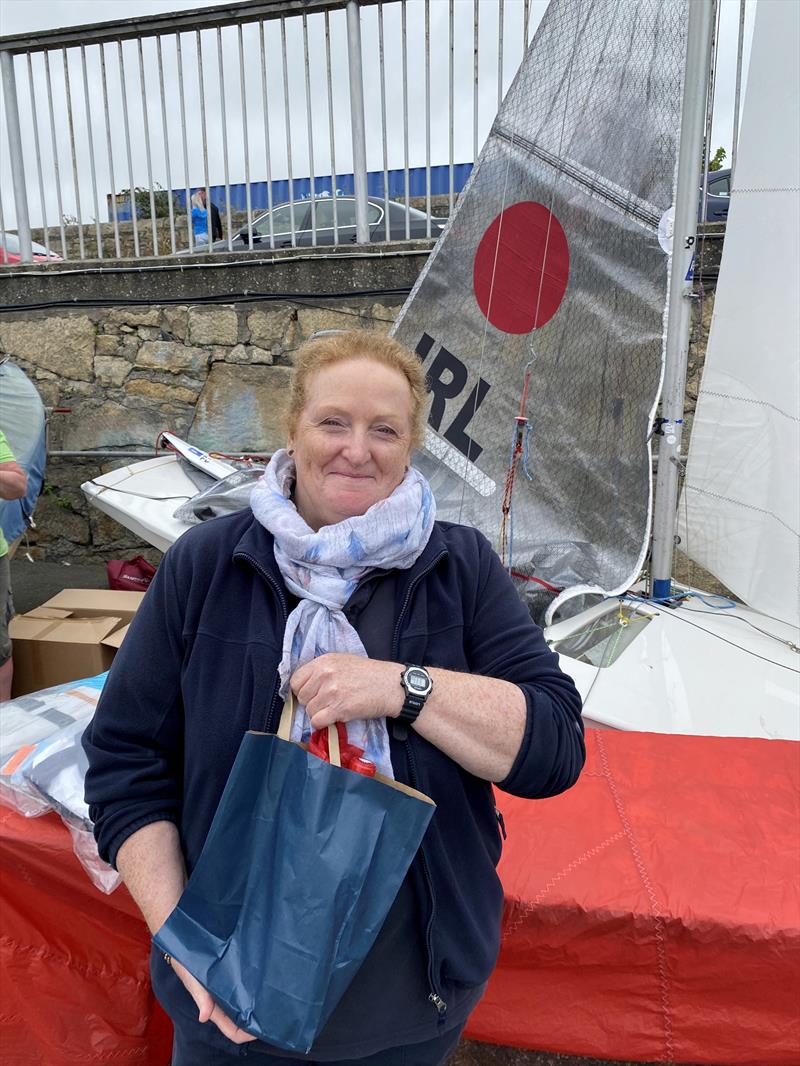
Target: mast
(695, 93)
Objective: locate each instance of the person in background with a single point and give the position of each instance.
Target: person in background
(339, 582)
(216, 221)
(13, 486)
(199, 220)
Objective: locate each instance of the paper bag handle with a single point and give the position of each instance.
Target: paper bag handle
(285, 729)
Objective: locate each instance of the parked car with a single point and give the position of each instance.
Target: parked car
(10, 252)
(719, 192)
(345, 207)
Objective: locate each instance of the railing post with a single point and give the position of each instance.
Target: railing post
(357, 120)
(15, 150)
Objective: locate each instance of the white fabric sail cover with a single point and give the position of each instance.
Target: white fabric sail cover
(742, 490)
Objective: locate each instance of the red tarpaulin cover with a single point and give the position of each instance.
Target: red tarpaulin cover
(75, 979)
(652, 914)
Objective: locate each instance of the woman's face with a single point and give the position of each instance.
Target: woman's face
(352, 441)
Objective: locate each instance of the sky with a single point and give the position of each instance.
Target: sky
(86, 199)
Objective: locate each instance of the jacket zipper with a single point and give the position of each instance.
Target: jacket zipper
(433, 997)
(270, 711)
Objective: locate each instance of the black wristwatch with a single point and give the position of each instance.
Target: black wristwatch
(417, 685)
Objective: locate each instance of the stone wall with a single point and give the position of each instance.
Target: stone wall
(216, 376)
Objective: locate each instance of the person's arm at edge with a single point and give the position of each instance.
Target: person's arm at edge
(13, 481)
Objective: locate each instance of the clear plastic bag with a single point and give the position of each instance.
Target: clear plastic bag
(43, 765)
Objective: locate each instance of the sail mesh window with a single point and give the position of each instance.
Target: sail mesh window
(602, 641)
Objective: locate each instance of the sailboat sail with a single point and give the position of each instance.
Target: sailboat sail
(740, 513)
(552, 262)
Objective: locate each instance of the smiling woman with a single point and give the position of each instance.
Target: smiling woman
(352, 446)
(406, 634)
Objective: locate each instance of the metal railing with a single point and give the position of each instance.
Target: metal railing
(333, 106)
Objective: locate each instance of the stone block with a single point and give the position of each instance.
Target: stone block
(241, 409)
(106, 344)
(61, 344)
(259, 355)
(160, 392)
(311, 319)
(109, 370)
(213, 325)
(248, 354)
(176, 322)
(172, 356)
(271, 329)
(383, 318)
(134, 316)
(55, 517)
(96, 424)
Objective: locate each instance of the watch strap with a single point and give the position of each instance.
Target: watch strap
(414, 702)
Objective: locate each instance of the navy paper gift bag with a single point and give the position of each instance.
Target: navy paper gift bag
(302, 862)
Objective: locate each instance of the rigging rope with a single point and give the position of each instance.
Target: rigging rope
(519, 450)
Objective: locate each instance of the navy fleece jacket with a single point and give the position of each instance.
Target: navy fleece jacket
(199, 668)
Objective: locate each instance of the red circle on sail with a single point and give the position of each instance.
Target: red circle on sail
(521, 268)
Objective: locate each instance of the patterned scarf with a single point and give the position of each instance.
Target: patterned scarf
(324, 568)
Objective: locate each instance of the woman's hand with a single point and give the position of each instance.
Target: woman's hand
(339, 688)
(478, 721)
(208, 1010)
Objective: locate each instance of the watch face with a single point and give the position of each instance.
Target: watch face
(418, 681)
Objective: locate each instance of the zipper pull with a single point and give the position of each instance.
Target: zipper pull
(501, 823)
(439, 1003)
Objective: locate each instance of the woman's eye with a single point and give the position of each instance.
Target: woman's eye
(386, 430)
(331, 422)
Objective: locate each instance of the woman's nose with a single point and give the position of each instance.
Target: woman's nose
(357, 447)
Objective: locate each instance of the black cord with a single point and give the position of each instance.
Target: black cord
(308, 299)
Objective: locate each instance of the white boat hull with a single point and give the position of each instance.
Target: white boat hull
(143, 497)
(692, 669)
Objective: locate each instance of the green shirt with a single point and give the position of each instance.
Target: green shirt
(6, 456)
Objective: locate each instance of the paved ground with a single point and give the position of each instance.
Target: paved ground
(33, 583)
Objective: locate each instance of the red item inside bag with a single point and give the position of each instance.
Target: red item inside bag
(350, 754)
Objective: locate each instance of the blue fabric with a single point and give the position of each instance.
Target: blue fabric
(15, 514)
(200, 223)
(199, 667)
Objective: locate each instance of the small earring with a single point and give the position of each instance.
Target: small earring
(290, 451)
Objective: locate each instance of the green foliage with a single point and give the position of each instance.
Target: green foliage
(161, 199)
(717, 159)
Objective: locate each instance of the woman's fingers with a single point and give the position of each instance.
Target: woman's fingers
(228, 1027)
(207, 1009)
(337, 687)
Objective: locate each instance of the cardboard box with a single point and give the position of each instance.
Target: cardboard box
(73, 635)
(95, 603)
